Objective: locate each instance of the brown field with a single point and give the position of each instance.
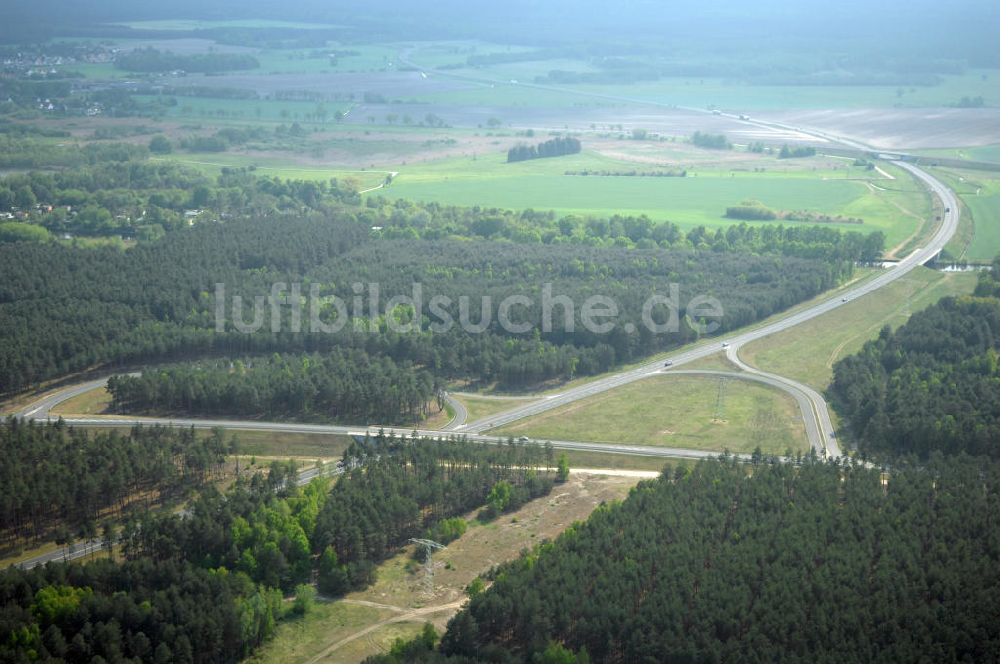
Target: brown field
(904, 129)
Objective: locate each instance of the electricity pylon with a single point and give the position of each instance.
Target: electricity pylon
(720, 401)
(429, 547)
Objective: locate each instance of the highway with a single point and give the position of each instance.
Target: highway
(825, 443)
(815, 411)
(817, 417)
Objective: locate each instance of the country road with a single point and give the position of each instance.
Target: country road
(815, 411)
(78, 550)
(817, 417)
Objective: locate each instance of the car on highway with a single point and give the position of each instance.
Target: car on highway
(725, 344)
(843, 299)
(523, 439)
(668, 363)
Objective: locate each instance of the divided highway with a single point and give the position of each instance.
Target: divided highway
(814, 409)
(825, 443)
(817, 417)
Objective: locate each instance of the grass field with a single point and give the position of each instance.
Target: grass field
(988, 153)
(298, 640)
(978, 238)
(285, 444)
(94, 402)
(579, 459)
(400, 581)
(480, 407)
(808, 351)
(677, 411)
(699, 199)
(212, 164)
(716, 362)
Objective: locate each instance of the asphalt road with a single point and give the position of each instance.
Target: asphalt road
(819, 426)
(823, 437)
(80, 549)
(814, 408)
(461, 414)
(734, 342)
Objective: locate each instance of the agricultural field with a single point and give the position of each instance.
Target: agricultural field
(723, 93)
(215, 110)
(985, 153)
(729, 93)
(677, 411)
(897, 207)
(808, 351)
(212, 163)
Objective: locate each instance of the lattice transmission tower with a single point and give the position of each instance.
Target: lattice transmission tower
(429, 547)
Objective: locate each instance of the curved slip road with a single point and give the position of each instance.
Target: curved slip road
(824, 440)
(821, 432)
(461, 414)
(812, 405)
(828, 446)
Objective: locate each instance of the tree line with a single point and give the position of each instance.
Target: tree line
(60, 483)
(710, 141)
(151, 60)
(818, 562)
(341, 385)
(408, 220)
(556, 147)
(64, 308)
(933, 384)
(207, 585)
(797, 152)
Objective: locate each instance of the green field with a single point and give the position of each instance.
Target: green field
(723, 92)
(677, 411)
(978, 238)
(808, 351)
(214, 162)
(699, 199)
(480, 407)
(363, 58)
(297, 640)
(987, 153)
